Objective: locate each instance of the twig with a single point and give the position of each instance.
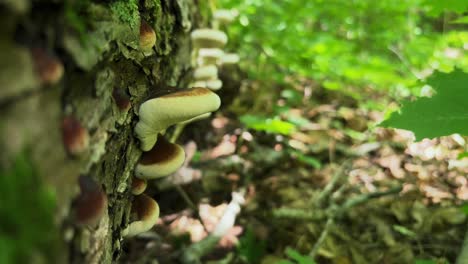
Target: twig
(331, 185)
(346, 206)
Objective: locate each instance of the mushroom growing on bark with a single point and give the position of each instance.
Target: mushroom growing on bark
(146, 211)
(159, 113)
(209, 38)
(75, 136)
(163, 159)
(49, 68)
(207, 72)
(91, 204)
(138, 186)
(147, 37)
(209, 56)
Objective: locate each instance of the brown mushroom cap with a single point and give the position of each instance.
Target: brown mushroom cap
(48, 68)
(75, 136)
(138, 186)
(146, 211)
(163, 159)
(147, 36)
(91, 204)
(159, 113)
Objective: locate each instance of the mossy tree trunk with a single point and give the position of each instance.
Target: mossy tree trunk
(98, 44)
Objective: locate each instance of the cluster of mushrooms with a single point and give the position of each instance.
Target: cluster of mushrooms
(208, 54)
(161, 157)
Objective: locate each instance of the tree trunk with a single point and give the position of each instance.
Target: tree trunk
(98, 44)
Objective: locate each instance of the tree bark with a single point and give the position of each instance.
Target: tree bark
(98, 44)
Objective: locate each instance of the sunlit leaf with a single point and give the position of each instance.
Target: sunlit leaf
(443, 114)
(270, 125)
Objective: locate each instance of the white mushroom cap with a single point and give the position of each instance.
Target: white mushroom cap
(209, 56)
(159, 113)
(214, 84)
(163, 159)
(224, 16)
(206, 72)
(198, 84)
(209, 38)
(147, 212)
(230, 58)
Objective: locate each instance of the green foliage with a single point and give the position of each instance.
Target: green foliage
(269, 125)
(345, 45)
(311, 161)
(27, 231)
(127, 12)
(443, 114)
(464, 208)
(250, 249)
(296, 257)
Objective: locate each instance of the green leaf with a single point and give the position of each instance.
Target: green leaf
(444, 114)
(250, 247)
(464, 208)
(298, 257)
(462, 155)
(461, 20)
(404, 231)
(269, 125)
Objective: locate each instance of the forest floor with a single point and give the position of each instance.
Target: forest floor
(367, 195)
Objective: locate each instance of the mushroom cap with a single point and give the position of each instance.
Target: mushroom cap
(147, 213)
(163, 159)
(214, 84)
(209, 38)
(230, 58)
(224, 16)
(209, 56)
(198, 84)
(91, 204)
(48, 68)
(147, 36)
(159, 113)
(138, 186)
(75, 136)
(206, 72)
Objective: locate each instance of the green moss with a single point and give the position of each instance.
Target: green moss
(127, 12)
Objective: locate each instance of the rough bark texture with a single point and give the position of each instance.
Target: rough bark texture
(97, 42)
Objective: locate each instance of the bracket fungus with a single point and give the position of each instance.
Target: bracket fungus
(224, 16)
(207, 72)
(229, 58)
(159, 113)
(49, 69)
(147, 36)
(209, 38)
(210, 56)
(75, 136)
(163, 159)
(214, 84)
(138, 186)
(146, 211)
(91, 204)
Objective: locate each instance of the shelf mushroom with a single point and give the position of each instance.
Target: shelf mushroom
(209, 56)
(208, 38)
(138, 186)
(146, 211)
(224, 16)
(147, 37)
(159, 113)
(91, 204)
(163, 159)
(229, 58)
(207, 72)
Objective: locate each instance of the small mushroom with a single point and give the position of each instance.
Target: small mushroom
(163, 159)
(224, 16)
(49, 68)
(122, 100)
(91, 204)
(159, 113)
(214, 84)
(146, 211)
(138, 186)
(209, 56)
(207, 72)
(209, 38)
(198, 84)
(147, 36)
(229, 58)
(75, 136)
